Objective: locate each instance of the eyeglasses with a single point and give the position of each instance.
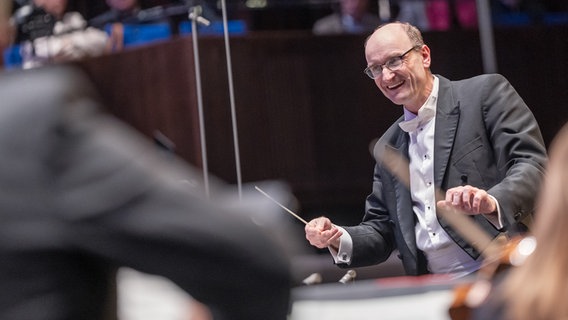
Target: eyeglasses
(393, 64)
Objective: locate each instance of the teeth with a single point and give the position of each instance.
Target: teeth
(395, 85)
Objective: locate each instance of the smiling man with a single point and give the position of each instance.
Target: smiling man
(474, 139)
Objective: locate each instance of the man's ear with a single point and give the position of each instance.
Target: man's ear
(426, 58)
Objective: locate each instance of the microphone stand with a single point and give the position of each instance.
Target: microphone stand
(232, 98)
(194, 16)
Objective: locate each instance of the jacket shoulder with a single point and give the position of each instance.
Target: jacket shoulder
(482, 79)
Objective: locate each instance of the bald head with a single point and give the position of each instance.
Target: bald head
(400, 28)
(400, 62)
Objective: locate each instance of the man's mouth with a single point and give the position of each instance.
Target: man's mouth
(396, 85)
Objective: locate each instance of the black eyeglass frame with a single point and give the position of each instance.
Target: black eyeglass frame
(369, 73)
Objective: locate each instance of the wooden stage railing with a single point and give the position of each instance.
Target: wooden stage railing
(306, 113)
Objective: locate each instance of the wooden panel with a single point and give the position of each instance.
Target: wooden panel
(306, 113)
(152, 88)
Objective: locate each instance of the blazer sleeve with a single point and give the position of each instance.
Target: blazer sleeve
(518, 145)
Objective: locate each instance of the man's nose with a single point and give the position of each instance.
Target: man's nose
(386, 74)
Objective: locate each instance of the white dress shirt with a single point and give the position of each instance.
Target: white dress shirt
(442, 253)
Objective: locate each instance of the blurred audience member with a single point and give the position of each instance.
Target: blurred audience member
(451, 14)
(49, 33)
(128, 12)
(413, 12)
(132, 22)
(123, 11)
(112, 21)
(516, 5)
(517, 12)
(353, 17)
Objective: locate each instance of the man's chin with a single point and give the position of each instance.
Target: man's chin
(396, 100)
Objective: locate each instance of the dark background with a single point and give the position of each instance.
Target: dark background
(306, 113)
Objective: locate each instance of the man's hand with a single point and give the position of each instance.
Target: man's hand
(321, 233)
(470, 199)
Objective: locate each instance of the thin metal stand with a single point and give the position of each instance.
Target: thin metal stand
(486, 37)
(194, 16)
(384, 10)
(232, 99)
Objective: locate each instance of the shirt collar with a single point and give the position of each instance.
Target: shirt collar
(425, 113)
(429, 104)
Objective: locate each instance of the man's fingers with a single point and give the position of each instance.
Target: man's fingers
(456, 198)
(320, 232)
(477, 202)
(336, 234)
(467, 201)
(449, 196)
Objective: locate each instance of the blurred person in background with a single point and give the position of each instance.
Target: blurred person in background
(517, 12)
(353, 17)
(413, 12)
(48, 33)
(122, 11)
(451, 14)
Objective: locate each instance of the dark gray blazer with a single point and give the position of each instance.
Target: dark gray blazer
(486, 137)
(81, 195)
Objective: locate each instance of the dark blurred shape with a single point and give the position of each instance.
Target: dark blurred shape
(84, 195)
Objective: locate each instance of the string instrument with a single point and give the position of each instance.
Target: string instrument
(512, 252)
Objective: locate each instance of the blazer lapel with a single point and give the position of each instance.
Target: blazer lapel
(447, 117)
(405, 215)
